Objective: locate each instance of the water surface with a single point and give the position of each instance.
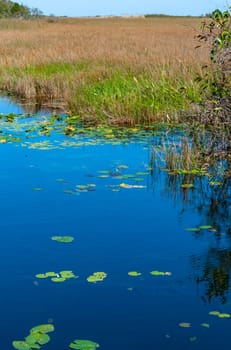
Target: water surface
(104, 192)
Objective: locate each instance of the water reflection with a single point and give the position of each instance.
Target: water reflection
(197, 169)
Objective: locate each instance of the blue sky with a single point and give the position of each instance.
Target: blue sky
(122, 7)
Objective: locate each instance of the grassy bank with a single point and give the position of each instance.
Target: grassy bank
(119, 70)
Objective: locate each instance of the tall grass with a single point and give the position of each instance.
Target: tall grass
(121, 70)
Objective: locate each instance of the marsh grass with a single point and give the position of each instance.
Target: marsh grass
(116, 70)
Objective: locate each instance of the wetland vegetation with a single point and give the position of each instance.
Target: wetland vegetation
(120, 197)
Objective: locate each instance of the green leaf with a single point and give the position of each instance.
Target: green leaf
(83, 345)
(63, 239)
(134, 273)
(43, 328)
(21, 345)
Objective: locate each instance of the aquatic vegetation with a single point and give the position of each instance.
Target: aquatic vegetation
(219, 314)
(185, 325)
(97, 277)
(205, 325)
(38, 336)
(134, 273)
(83, 345)
(63, 239)
(61, 276)
(129, 186)
(160, 273)
(199, 228)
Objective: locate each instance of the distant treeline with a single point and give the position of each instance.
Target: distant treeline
(14, 9)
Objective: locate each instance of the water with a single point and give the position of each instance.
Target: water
(116, 229)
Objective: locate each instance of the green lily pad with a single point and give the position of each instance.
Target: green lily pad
(205, 227)
(67, 274)
(214, 313)
(160, 273)
(63, 239)
(223, 315)
(97, 277)
(41, 338)
(83, 345)
(21, 345)
(205, 325)
(41, 275)
(134, 273)
(58, 279)
(185, 325)
(43, 328)
(193, 229)
(51, 274)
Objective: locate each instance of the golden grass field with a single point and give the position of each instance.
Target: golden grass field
(56, 59)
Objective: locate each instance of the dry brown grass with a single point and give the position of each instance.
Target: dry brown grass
(134, 42)
(131, 67)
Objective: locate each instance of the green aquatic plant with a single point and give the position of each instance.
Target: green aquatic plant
(219, 314)
(97, 277)
(160, 273)
(83, 345)
(38, 336)
(134, 273)
(185, 325)
(21, 345)
(63, 239)
(61, 276)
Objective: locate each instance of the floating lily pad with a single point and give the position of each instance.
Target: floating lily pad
(214, 313)
(97, 277)
(63, 239)
(21, 345)
(51, 274)
(38, 337)
(67, 274)
(160, 273)
(41, 275)
(185, 324)
(134, 273)
(58, 279)
(193, 229)
(224, 315)
(205, 227)
(83, 345)
(43, 328)
(205, 325)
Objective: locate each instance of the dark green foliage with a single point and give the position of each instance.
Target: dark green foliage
(216, 79)
(14, 9)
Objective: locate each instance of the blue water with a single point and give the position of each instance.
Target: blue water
(134, 229)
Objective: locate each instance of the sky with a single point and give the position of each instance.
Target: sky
(76, 8)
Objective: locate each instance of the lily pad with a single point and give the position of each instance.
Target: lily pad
(134, 273)
(21, 345)
(214, 313)
(223, 315)
(67, 274)
(41, 275)
(40, 338)
(185, 324)
(43, 328)
(83, 345)
(160, 273)
(58, 279)
(63, 239)
(205, 325)
(97, 277)
(205, 227)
